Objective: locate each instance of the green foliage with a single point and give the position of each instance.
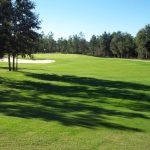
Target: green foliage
(25, 25)
(93, 45)
(122, 45)
(118, 44)
(143, 42)
(46, 43)
(6, 12)
(104, 43)
(18, 25)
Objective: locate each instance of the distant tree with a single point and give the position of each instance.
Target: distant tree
(40, 46)
(83, 46)
(143, 42)
(70, 45)
(65, 46)
(122, 44)
(116, 38)
(129, 46)
(59, 44)
(93, 45)
(51, 43)
(75, 44)
(104, 44)
(62, 45)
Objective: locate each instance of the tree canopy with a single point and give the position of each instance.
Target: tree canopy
(18, 29)
(117, 44)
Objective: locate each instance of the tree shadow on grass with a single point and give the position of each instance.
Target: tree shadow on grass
(88, 81)
(78, 104)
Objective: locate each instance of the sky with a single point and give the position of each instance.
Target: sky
(68, 17)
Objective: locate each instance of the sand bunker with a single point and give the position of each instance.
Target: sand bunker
(29, 61)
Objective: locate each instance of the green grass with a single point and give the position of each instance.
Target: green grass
(77, 103)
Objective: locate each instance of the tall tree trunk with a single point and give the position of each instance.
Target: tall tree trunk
(17, 62)
(13, 62)
(146, 54)
(9, 62)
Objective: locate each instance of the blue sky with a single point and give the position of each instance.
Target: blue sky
(68, 17)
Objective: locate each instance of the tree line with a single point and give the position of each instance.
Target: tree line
(18, 36)
(18, 29)
(118, 44)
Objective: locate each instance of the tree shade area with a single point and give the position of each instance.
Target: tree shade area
(118, 44)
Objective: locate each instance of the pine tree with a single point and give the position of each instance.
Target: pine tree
(6, 13)
(25, 25)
